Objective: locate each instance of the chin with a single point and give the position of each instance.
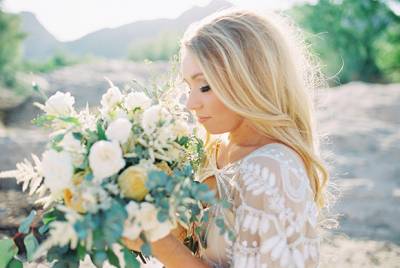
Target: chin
(215, 130)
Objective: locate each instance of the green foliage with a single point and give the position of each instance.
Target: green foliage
(8, 250)
(26, 223)
(14, 263)
(10, 40)
(31, 245)
(360, 35)
(163, 47)
(57, 61)
(130, 259)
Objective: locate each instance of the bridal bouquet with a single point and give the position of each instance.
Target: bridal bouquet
(124, 171)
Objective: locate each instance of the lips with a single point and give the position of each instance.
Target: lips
(202, 119)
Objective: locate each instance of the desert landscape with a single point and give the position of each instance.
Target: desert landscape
(360, 139)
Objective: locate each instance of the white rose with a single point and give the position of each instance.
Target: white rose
(152, 116)
(161, 230)
(74, 147)
(137, 100)
(57, 170)
(119, 130)
(119, 113)
(131, 228)
(69, 143)
(147, 216)
(181, 128)
(60, 104)
(111, 97)
(105, 159)
(165, 135)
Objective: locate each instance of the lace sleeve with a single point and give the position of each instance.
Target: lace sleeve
(276, 217)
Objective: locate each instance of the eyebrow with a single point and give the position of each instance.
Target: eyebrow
(194, 76)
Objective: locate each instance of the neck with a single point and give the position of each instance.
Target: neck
(246, 135)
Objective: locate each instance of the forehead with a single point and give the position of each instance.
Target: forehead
(189, 65)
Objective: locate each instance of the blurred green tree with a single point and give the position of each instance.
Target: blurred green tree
(362, 36)
(10, 47)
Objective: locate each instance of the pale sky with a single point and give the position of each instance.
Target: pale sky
(71, 19)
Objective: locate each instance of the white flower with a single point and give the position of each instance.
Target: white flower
(61, 233)
(131, 228)
(94, 197)
(73, 146)
(86, 119)
(105, 159)
(119, 130)
(153, 116)
(119, 113)
(144, 217)
(60, 104)
(181, 128)
(161, 230)
(57, 170)
(165, 135)
(137, 100)
(70, 144)
(111, 97)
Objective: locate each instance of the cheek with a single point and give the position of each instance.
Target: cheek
(222, 118)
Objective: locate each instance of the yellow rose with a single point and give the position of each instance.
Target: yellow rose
(132, 183)
(73, 202)
(163, 166)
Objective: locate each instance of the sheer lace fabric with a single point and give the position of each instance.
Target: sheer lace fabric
(272, 213)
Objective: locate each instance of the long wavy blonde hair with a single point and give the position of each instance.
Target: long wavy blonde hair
(260, 67)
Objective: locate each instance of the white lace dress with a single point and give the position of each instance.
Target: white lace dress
(272, 214)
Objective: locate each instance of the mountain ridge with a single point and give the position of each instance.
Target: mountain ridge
(41, 44)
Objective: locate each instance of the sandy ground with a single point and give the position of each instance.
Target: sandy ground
(360, 131)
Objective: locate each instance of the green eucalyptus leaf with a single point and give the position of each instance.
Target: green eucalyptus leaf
(31, 245)
(77, 135)
(98, 258)
(162, 215)
(101, 133)
(146, 249)
(89, 176)
(43, 120)
(81, 252)
(112, 258)
(25, 225)
(70, 120)
(14, 263)
(130, 259)
(43, 229)
(8, 250)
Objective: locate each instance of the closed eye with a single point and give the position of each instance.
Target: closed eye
(205, 88)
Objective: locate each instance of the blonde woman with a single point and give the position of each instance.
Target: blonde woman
(250, 78)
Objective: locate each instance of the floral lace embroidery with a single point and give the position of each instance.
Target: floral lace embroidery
(275, 215)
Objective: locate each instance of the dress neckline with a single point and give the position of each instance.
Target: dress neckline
(236, 162)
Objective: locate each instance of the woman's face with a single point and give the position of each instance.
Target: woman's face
(210, 111)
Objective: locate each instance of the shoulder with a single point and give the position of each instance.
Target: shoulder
(275, 167)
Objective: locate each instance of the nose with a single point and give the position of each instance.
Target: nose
(193, 102)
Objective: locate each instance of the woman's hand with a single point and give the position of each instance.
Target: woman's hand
(132, 244)
(169, 251)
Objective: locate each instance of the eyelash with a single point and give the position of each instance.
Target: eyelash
(205, 88)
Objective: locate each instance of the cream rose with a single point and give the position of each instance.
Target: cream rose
(60, 104)
(119, 130)
(152, 116)
(105, 159)
(111, 97)
(137, 100)
(57, 170)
